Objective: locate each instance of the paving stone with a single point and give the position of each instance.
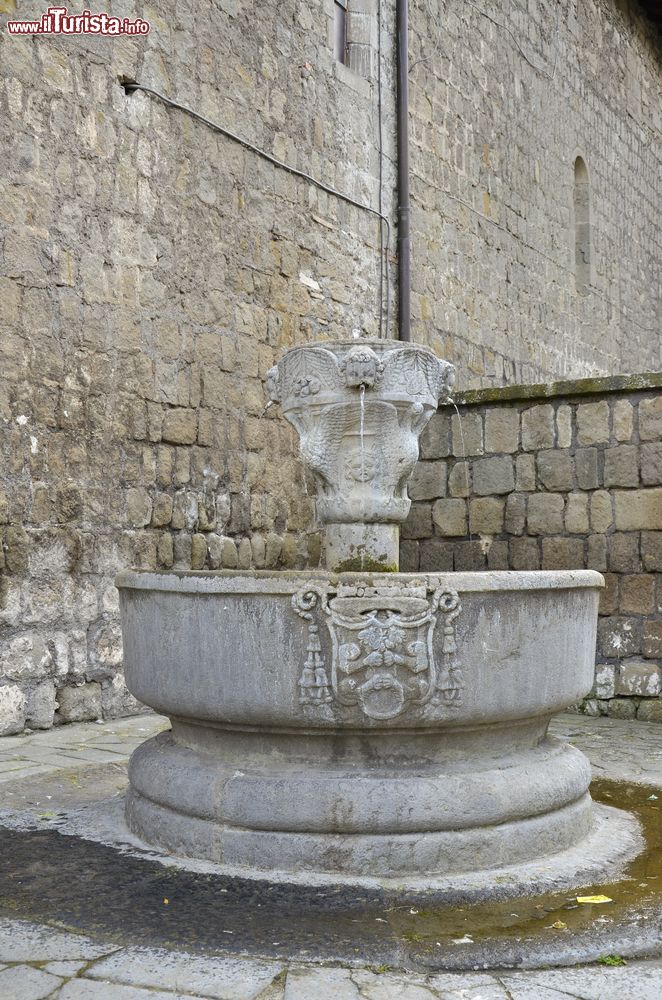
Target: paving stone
(21, 941)
(635, 981)
(387, 986)
(89, 989)
(217, 978)
(64, 969)
(320, 984)
(469, 986)
(22, 982)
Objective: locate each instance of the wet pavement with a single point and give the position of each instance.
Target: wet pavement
(80, 919)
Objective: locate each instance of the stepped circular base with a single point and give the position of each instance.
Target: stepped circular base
(282, 802)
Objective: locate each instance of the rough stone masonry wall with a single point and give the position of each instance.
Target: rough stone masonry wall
(504, 97)
(151, 273)
(559, 476)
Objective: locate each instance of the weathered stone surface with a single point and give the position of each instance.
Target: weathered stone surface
(162, 510)
(180, 426)
(216, 978)
(80, 703)
(435, 439)
(596, 555)
(545, 514)
(428, 481)
(22, 982)
(593, 423)
(450, 517)
(459, 480)
(650, 419)
(525, 473)
(651, 464)
(493, 475)
(623, 553)
(524, 553)
(638, 509)
(486, 515)
(501, 430)
(467, 434)
(435, 556)
(622, 466)
(651, 550)
(605, 680)
(12, 709)
(138, 508)
(650, 711)
(538, 427)
(564, 426)
(652, 638)
(619, 636)
(515, 514)
(576, 514)
(601, 511)
(562, 553)
(638, 594)
(622, 708)
(555, 470)
(40, 707)
(623, 420)
(419, 521)
(586, 468)
(638, 678)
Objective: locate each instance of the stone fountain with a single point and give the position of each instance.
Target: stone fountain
(356, 722)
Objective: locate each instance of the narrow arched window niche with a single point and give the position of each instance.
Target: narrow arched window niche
(582, 215)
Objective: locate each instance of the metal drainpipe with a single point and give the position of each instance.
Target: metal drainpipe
(404, 268)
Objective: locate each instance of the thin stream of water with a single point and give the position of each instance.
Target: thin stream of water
(464, 463)
(361, 451)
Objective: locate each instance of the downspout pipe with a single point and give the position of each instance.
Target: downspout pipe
(402, 103)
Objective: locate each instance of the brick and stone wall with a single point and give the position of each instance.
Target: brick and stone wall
(557, 476)
(151, 271)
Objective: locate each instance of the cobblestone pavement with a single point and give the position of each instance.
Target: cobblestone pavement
(41, 962)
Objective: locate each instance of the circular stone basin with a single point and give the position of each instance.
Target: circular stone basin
(387, 725)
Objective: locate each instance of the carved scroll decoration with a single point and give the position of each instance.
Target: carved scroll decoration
(382, 657)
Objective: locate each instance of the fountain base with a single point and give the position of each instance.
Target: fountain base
(385, 726)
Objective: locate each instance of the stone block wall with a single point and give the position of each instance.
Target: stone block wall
(559, 476)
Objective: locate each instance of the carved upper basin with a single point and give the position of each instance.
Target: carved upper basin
(359, 408)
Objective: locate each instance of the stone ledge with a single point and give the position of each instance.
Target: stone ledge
(600, 385)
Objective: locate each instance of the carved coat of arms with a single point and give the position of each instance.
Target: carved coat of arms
(382, 661)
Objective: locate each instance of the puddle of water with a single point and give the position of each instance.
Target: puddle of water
(639, 889)
(84, 885)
